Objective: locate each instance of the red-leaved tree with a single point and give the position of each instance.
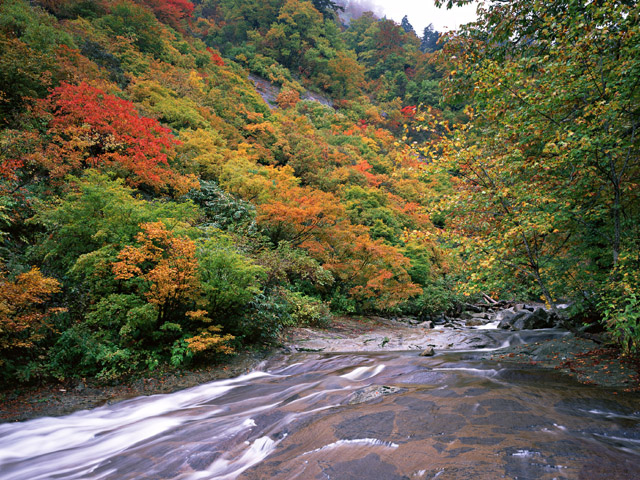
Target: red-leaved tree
(89, 128)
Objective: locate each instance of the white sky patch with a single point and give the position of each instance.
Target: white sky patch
(423, 12)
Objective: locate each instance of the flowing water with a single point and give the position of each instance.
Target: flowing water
(355, 416)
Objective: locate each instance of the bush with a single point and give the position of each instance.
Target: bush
(229, 279)
(224, 211)
(265, 318)
(623, 324)
(437, 298)
(306, 311)
(620, 304)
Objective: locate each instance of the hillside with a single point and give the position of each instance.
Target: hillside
(156, 210)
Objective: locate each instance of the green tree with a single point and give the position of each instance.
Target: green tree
(547, 169)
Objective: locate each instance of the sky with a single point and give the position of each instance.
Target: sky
(423, 12)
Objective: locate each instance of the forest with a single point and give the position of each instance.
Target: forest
(158, 210)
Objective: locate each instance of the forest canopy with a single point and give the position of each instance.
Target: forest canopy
(184, 179)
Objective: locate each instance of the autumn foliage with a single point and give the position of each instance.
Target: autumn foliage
(182, 211)
(24, 315)
(90, 128)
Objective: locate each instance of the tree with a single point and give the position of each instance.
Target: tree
(90, 128)
(298, 215)
(98, 212)
(550, 161)
(136, 23)
(171, 12)
(430, 38)
(24, 315)
(328, 8)
(406, 26)
(163, 267)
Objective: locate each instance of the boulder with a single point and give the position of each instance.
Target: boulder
(504, 325)
(503, 314)
(428, 352)
(475, 322)
(509, 317)
(526, 320)
(428, 325)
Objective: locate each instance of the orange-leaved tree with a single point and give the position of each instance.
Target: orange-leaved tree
(163, 268)
(23, 311)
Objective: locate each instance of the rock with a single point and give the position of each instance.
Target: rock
(428, 352)
(509, 319)
(526, 320)
(440, 320)
(308, 350)
(595, 327)
(371, 393)
(428, 325)
(475, 322)
(504, 314)
(504, 324)
(409, 320)
(483, 316)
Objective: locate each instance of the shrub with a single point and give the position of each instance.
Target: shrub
(306, 311)
(437, 298)
(265, 318)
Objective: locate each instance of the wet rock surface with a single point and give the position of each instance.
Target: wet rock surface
(380, 415)
(582, 358)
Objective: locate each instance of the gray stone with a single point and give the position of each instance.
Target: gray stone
(504, 314)
(539, 318)
(509, 319)
(428, 352)
(428, 325)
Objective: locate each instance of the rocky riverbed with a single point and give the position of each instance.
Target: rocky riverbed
(585, 359)
(589, 360)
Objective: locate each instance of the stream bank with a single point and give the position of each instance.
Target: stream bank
(63, 398)
(587, 361)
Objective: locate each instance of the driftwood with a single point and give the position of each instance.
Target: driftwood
(489, 305)
(488, 299)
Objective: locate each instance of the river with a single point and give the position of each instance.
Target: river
(350, 416)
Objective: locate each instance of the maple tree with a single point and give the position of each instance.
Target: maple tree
(369, 270)
(162, 267)
(298, 215)
(90, 128)
(171, 12)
